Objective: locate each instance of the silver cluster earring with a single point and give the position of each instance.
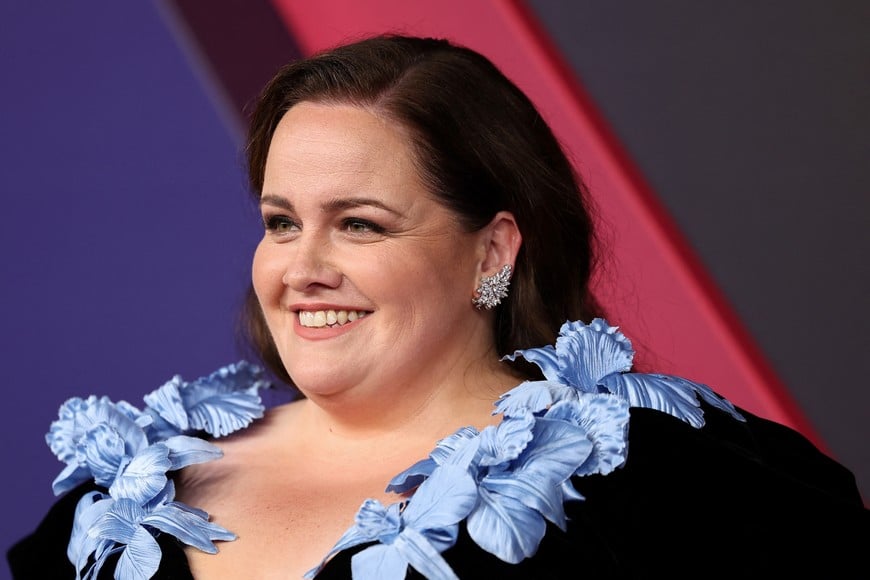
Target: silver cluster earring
(492, 289)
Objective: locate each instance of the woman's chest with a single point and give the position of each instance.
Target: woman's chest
(284, 524)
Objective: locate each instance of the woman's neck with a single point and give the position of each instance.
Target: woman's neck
(425, 410)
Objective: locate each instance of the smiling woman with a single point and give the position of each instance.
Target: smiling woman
(464, 410)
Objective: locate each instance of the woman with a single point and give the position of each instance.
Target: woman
(425, 242)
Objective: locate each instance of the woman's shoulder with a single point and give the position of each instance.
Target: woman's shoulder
(243, 453)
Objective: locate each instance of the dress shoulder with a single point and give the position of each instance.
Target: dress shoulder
(42, 554)
(116, 514)
(753, 498)
(749, 499)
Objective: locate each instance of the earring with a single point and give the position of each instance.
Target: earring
(492, 289)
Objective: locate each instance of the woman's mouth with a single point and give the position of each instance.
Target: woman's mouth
(332, 318)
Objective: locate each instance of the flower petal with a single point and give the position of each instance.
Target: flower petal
(373, 522)
(145, 475)
(188, 527)
(184, 451)
(417, 551)
(141, 558)
(557, 450)
(78, 416)
(379, 562)
(505, 527)
(89, 509)
(166, 402)
(465, 440)
(534, 493)
(391, 560)
(226, 400)
(588, 353)
(220, 414)
(103, 450)
(119, 522)
(545, 357)
(412, 477)
(506, 441)
(531, 397)
(166, 495)
(441, 502)
(447, 446)
(71, 475)
(605, 419)
(376, 521)
(712, 398)
(675, 396)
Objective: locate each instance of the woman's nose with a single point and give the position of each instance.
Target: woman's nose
(311, 265)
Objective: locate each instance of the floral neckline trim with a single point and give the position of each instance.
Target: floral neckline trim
(130, 451)
(505, 481)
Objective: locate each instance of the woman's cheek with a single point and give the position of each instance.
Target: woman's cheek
(266, 273)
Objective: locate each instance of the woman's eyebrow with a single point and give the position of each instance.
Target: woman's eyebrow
(343, 203)
(333, 205)
(277, 201)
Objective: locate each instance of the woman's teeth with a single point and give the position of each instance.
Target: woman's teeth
(321, 318)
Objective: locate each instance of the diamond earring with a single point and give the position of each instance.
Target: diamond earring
(492, 289)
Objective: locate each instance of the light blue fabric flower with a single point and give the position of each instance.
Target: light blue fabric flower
(444, 449)
(604, 419)
(583, 355)
(130, 452)
(595, 358)
(675, 396)
(522, 466)
(82, 544)
(128, 526)
(93, 437)
(223, 402)
(412, 533)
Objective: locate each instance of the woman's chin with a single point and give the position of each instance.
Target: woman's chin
(325, 384)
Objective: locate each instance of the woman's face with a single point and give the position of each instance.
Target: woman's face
(364, 279)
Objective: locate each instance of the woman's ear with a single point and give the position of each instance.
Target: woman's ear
(501, 243)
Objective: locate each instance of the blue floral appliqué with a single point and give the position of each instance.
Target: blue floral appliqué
(129, 452)
(508, 480)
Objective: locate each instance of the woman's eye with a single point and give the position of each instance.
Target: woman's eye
(359, 226)
(279, 224)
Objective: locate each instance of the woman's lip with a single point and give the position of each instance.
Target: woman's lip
(326, 307)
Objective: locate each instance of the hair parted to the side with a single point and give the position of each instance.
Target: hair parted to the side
(480, 146)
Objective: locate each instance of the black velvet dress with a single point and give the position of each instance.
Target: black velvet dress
(732, 499)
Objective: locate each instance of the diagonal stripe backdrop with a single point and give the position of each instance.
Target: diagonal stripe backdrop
(725, 147)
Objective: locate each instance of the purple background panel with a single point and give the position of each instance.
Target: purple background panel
(127, 230)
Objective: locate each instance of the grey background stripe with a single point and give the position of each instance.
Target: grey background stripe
(751, 122)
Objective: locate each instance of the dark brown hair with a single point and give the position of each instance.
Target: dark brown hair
(480, 146)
